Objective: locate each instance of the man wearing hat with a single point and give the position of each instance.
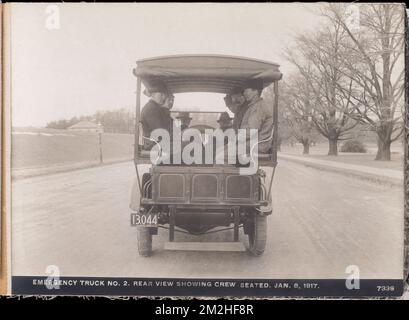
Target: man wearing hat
(237, 104)
(225, 122)
(185, 120)
(169, 101)
(155, 114)
(258, 116)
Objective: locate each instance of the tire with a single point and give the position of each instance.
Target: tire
(144, 241)
(257, 235)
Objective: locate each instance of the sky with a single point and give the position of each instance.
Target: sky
(86, 64)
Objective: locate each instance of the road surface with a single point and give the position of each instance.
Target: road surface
(322, 222)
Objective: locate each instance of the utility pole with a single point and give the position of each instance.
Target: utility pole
(100, 143)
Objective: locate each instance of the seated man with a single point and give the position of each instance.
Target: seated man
(237, 104)
(184, 119)
(155, 114)
(258, 116)
(169, 101)
(225, 122)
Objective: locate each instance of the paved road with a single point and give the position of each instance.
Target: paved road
(322, 222)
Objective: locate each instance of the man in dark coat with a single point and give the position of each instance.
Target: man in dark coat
(258, 115)
(185, 120)
(237, 104)
(155, 114)
(224, 121)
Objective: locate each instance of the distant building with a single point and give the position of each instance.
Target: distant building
(86, 126)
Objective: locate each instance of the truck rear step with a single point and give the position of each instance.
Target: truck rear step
(205, 246)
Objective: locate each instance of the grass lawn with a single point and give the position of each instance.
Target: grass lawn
(41, 148)
(365, 159)
(48, 147)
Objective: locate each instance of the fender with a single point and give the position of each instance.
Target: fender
(266, 181)
(135, 192)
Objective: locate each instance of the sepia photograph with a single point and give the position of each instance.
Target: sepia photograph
(206, 149)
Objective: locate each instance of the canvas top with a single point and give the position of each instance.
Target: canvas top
(205, 73)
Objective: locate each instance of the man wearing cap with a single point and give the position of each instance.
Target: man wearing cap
(155, 114)
(185, 120)
(169, 101)
(258, 116)
(237, 104)
(224, 121)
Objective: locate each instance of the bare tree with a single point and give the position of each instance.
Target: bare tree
(284, 131)
(317, 58)
(298, 112)
(375, 67)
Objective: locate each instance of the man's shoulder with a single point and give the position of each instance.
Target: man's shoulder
(150, 107)
(266, 107)
(242, 110)
(261, 103)
(250, 107)
(244, 107)
(259, 110)
(257, 107)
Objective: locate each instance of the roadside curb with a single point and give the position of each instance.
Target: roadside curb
(19, 174)
(25, 173)
(345, 171)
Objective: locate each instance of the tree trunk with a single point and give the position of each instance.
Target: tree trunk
(384, 149)
(306, 148)
(333, 147)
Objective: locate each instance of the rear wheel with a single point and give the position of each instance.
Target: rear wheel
(145, 233)
(144, 241)
(257, 233)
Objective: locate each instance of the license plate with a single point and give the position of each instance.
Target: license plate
(144, 219)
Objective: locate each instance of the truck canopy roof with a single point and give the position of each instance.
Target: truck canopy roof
(205, 73)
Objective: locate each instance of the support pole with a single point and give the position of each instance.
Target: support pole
(275, 119)
(270, 184)
(137, 120)
(172, 212)
(236, 213)
(101, 160)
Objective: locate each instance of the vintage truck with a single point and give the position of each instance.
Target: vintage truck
(202, 198)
